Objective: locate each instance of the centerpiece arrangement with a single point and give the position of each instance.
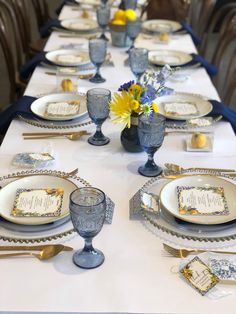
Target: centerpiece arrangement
(134, 99)
(118, 27)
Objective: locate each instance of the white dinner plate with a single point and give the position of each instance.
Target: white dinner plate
(80, 25)
(161, 26)
(201, 105)
(171, 57)
(169, 198)
(38, 107)
(8, 194)
(68, 57)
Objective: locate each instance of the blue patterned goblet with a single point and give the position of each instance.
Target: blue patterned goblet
(104, 2)
(151, 131)
(130, 4)
(132, 31)
(138, 60)
(97, 54)
(88, 211)
(98, 109)
(103, 18)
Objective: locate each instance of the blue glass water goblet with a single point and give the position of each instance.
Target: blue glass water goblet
(138, 60)
(98, 109)
(103, 18)
(88, 211)
(151, 131)
(97, 54)
(132, 30)
(130, 4)
(104, 2)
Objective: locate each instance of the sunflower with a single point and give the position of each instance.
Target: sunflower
(122, 106)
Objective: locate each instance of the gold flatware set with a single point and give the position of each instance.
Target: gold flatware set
(46, 251)
(73, 136)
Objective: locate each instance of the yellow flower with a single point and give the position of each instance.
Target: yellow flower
(122, 105)
(135, 105)
(130, 15)
(136, 90)
(155, 107)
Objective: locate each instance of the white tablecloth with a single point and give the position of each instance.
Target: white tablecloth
(136, 276)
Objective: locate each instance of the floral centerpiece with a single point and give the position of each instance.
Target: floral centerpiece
(117, 26)
(134, 99)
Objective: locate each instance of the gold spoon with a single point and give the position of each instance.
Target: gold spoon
(46, 253)
(71, 137)
(177, 168)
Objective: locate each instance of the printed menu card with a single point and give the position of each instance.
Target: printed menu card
(38, 202)
(201, 201)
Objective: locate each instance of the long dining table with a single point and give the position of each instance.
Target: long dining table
(137, 275)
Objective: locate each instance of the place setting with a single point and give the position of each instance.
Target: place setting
(35, 205)
(195, 208)
(169, 27)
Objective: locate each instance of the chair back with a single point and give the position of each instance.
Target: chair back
(8, 58)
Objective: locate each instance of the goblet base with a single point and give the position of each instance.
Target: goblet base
(97, 79)
(150, 172)
(98, 142)
(103, 36)
(88, 259)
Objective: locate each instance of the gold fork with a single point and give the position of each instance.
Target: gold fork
(183, 253)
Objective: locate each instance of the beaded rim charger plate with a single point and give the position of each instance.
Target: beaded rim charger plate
(49, 232)
(80, 25)
(170, 229)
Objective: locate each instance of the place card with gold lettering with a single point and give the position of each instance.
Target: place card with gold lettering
(199, 275)
(45, 202)
(201, 201)
(61, 109)
(182, 108)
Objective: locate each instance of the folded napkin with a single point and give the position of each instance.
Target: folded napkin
(46, 29)
(219, 108)
(21, 106)
(210, 68)
(28, 67)
(188, 29)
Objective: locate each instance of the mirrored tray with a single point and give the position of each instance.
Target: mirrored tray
(14, 233)
(172, 230)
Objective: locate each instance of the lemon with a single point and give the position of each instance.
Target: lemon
(130, 15)
(198, 140)
(118, 22)
(85, 15)
(67, 85)
(164, 37)
(120, 15)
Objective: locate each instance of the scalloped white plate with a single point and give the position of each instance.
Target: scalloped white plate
(203, 106)
(169, 198)
(8, 193)
(38, 107)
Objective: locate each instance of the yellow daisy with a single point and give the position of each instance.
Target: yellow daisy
(121, 105)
